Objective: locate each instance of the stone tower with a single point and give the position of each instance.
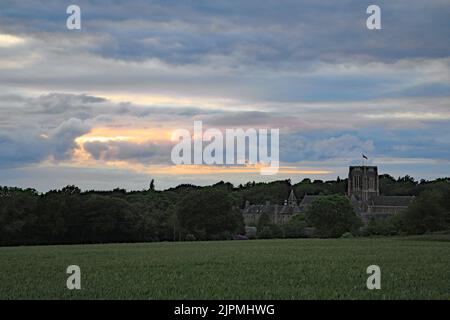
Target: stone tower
(363, 183)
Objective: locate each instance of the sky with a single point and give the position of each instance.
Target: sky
(96, 107)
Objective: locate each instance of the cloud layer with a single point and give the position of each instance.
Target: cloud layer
(108, 96)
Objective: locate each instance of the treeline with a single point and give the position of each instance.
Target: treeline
(189, 212)
(429, 212)
(71, 216)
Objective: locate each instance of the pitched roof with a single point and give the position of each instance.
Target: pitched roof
(392, 201)
(289, 209)
(307, 200)
(292, 199)
(270, 209)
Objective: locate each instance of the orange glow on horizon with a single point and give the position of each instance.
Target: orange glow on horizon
(192, 169)
(138, 135)
(82, 158)
(214, 169)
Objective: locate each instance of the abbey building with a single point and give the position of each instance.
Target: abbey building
(362, 191)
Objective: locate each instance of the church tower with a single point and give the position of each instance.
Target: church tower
(363, 183)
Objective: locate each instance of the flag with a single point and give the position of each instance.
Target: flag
(364, 156)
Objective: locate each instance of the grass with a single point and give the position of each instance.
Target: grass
(262, 269)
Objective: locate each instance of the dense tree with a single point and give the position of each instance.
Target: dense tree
(319, 187)
(208, 214)
(401, 187)
(274, 192)
(295, 227)
(385, 226)
(332, 216)
(270, 232)
(266, 229)
(429, 212)
(17, 215)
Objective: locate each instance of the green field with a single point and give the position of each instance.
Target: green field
(260, 269)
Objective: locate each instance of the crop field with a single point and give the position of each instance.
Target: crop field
(259, 269)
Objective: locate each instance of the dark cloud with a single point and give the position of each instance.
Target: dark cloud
(296, 147)
(62, 138)
(270, 32)
(147, 153)
(21, 149)
(246, 119)
(30, 145)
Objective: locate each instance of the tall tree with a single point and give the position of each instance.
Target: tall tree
(152, 185)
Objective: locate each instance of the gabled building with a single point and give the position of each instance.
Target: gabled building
(363, 190)
(364, 194)
(279, 214)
